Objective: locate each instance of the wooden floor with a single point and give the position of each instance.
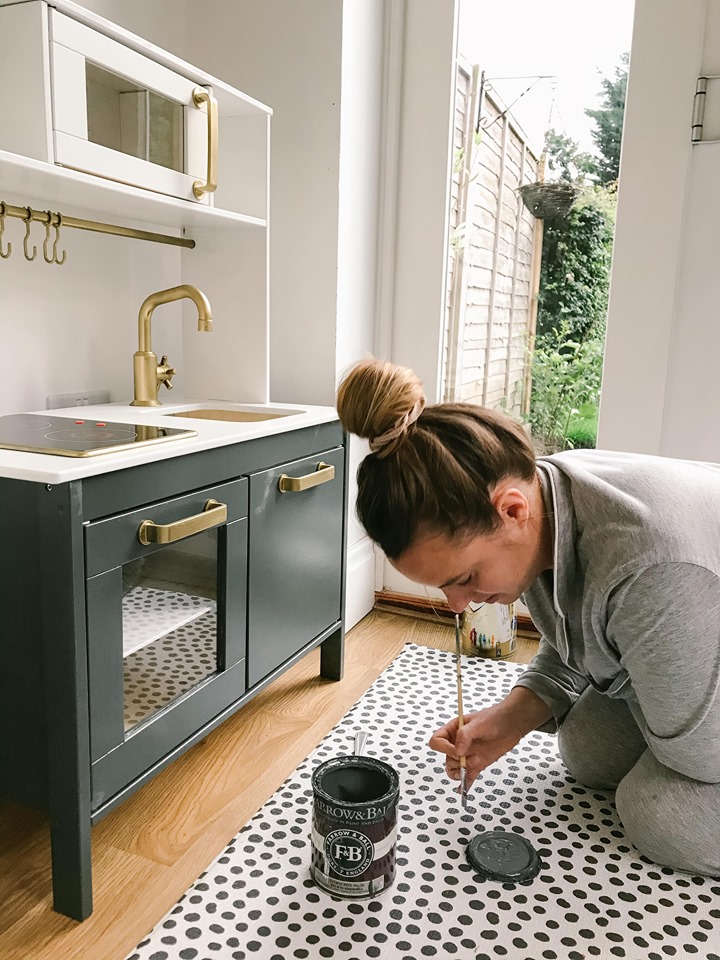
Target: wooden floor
(147, 852)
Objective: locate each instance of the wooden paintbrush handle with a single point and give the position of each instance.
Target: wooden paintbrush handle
(461, 718)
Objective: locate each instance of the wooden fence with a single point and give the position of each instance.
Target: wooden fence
(493, 267)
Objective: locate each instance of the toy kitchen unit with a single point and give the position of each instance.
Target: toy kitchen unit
(163, 560)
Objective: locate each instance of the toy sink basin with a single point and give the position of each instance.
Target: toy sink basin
(237, 414)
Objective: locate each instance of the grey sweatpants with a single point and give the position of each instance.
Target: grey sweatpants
(670, 818)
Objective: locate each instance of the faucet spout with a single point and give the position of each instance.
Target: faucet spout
(169, 296)
(148, 374)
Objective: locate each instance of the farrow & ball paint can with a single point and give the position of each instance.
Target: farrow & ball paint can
(354, 831)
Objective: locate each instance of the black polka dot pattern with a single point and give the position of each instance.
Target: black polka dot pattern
(595, 895)
(149, 614)
(163, 670)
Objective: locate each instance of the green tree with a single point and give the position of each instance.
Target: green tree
(572, 307)
(564, 158)
(567, 354)
(609, 122)
(575, 266)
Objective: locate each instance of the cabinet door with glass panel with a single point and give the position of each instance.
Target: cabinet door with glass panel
(121, 115)
(166, 627)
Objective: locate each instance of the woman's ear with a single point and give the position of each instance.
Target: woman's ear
(511, 503)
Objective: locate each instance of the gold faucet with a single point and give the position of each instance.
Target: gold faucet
(148, 374)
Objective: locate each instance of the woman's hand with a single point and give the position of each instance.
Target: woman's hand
(488, 734)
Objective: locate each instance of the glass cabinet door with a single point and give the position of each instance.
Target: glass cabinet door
(124, 116)
(169, 625)
(165, 599)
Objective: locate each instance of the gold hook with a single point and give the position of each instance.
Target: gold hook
(58, 224)
(3, 212)
(28, 221)
(46, 241)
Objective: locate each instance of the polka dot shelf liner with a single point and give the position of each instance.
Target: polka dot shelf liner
(595, 896)
(168, 667)
(149, 614)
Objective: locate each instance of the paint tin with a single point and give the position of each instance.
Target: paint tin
(489, 630)
(354, 830)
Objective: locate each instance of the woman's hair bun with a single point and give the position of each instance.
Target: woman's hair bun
(379, 400)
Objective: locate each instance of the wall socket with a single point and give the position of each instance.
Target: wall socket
(81, 398)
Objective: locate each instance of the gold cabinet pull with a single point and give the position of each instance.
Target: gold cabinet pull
(323, 473)
(200, 96)
(213, 515)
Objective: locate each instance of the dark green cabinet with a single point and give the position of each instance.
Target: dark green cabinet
(295, 556)
(165, 596)
(166, 628)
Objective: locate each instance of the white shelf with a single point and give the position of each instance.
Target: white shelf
(150, 614)
(80, 194)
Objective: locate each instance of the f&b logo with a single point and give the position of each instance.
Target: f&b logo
(348, 852)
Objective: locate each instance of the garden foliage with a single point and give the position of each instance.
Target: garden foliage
(572, 309)
(574, 285)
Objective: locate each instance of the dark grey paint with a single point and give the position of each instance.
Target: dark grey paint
(112, 492)
(114, 541)
(23, 734)
(295, 567)
(105, 661)
(62, 601)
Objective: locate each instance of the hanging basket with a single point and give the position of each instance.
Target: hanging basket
(549, 199)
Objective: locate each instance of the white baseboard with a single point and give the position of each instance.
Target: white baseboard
(360, 586)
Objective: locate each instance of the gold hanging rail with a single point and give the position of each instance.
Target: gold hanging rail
(57, 220)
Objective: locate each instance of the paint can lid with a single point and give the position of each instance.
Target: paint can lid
(508, 857)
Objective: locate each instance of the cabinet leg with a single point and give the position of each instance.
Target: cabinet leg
(66, 696)
(332, 655)
(71, 866)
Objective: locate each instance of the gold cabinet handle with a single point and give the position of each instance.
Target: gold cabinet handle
(200, 96)
(213, 515)
(323, 473)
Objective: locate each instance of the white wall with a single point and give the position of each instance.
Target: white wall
(288, 55)
(644, 325)
(74, 327)
(166, 23)
(423, 194)
(411, 332)
(692, 394)
(363, 96)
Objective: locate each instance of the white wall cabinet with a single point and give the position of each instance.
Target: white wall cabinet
(121, 115)
(97, 99)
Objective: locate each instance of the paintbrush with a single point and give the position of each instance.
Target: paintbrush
(461, 719)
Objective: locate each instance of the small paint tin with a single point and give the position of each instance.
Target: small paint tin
(489, 630)
(354, 828)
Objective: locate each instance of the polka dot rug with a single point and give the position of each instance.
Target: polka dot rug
(595, 896)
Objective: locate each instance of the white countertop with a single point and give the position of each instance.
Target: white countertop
(46, 468)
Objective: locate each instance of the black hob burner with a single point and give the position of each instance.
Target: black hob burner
(65, 437)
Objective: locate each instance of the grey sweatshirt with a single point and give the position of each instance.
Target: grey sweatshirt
(632, 606)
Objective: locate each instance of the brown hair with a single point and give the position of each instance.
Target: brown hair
(431, 468)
